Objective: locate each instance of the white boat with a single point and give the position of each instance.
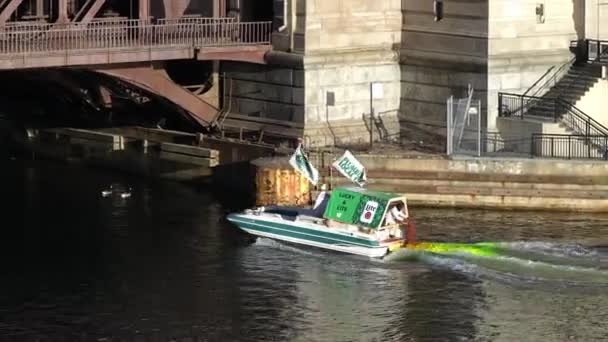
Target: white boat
(354, 221)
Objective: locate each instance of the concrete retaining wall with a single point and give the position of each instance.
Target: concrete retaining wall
(595, 102)
(528, 167)
(125, 153)
(522, 184)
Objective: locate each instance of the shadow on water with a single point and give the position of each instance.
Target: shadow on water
(441, 305)
(163, 265)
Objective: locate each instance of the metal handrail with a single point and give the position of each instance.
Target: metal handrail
(569, 146)
(572, 116)
(592, 126)
(599, 52)
(194, 20)
(550, 78)
(517, 105)
(28, 26)
(135, 34)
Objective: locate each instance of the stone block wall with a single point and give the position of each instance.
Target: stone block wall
(348, 45)
(349, 76)
(595, 102)
(521, 48)
(596, 22)
(352, 24)
(342, 46)
(494, 45)
(339, 46)
(441, 58)
(266, 91)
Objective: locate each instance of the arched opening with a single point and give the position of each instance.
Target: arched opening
(251, 10)
(196, 76)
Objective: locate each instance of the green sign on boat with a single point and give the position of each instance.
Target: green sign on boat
(358, 206)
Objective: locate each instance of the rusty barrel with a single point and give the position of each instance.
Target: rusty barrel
(277, 183)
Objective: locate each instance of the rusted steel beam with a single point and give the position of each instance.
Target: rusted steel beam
(144, 9)
(248, 54)
(62, 10)
(9, 10)
(92, 11)
(222, 8)
(219, 8)
(40, 8)
(175, 8)
(158, 82)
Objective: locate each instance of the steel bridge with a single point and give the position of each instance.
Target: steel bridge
(124, 43)
(35, 45)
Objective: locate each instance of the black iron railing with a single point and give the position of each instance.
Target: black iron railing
(589, 140)
(597, 50)
(562, 146)
(549, 79)
(493, 144)
(577, 120)
(520, 106)
(566, 146)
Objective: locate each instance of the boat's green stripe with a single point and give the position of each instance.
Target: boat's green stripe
(305, 233)
(300, 236)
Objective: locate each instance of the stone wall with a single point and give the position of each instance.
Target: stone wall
(342, 46)
(594, 10)
(441, 58)
(522, 46)
(352, 24)
(348, 45)
(348, 76)
(494, 45)
(275, 92)
(595, 102)
(327, 46)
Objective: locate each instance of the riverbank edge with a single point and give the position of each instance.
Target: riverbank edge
(483, 183)
(427, 180)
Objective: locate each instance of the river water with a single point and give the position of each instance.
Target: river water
(164, 265)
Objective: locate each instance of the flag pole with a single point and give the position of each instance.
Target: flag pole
(371, 115)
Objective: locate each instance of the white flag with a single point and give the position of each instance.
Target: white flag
(351, 168)
(299, 162)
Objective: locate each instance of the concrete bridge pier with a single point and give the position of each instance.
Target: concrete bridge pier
(144, 9)
(175, 8)
(62, 10)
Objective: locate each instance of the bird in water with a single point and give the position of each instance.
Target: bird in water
(107, 192)
(126, 194)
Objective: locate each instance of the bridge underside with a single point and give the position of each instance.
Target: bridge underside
(130, 41)
(248, 54)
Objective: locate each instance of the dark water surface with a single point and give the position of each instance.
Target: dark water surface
(164, 265)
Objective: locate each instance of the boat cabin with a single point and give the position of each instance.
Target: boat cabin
(378, 212)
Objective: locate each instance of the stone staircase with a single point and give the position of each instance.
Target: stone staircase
(565, 130)
(570, 88)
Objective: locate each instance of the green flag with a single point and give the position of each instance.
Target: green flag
(299, 162)
(351, 168)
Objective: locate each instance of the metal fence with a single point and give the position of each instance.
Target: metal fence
(566, 146)
(464, 126)
(597, 50)
(559, 146)
(133, 33)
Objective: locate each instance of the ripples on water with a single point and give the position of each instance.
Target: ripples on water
(165, 265)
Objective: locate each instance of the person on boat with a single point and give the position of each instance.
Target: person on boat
(321, 202)
(395, 215)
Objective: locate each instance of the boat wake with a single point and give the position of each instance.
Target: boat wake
(523, 261)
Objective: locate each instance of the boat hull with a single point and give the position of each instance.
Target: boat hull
(309, 235)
